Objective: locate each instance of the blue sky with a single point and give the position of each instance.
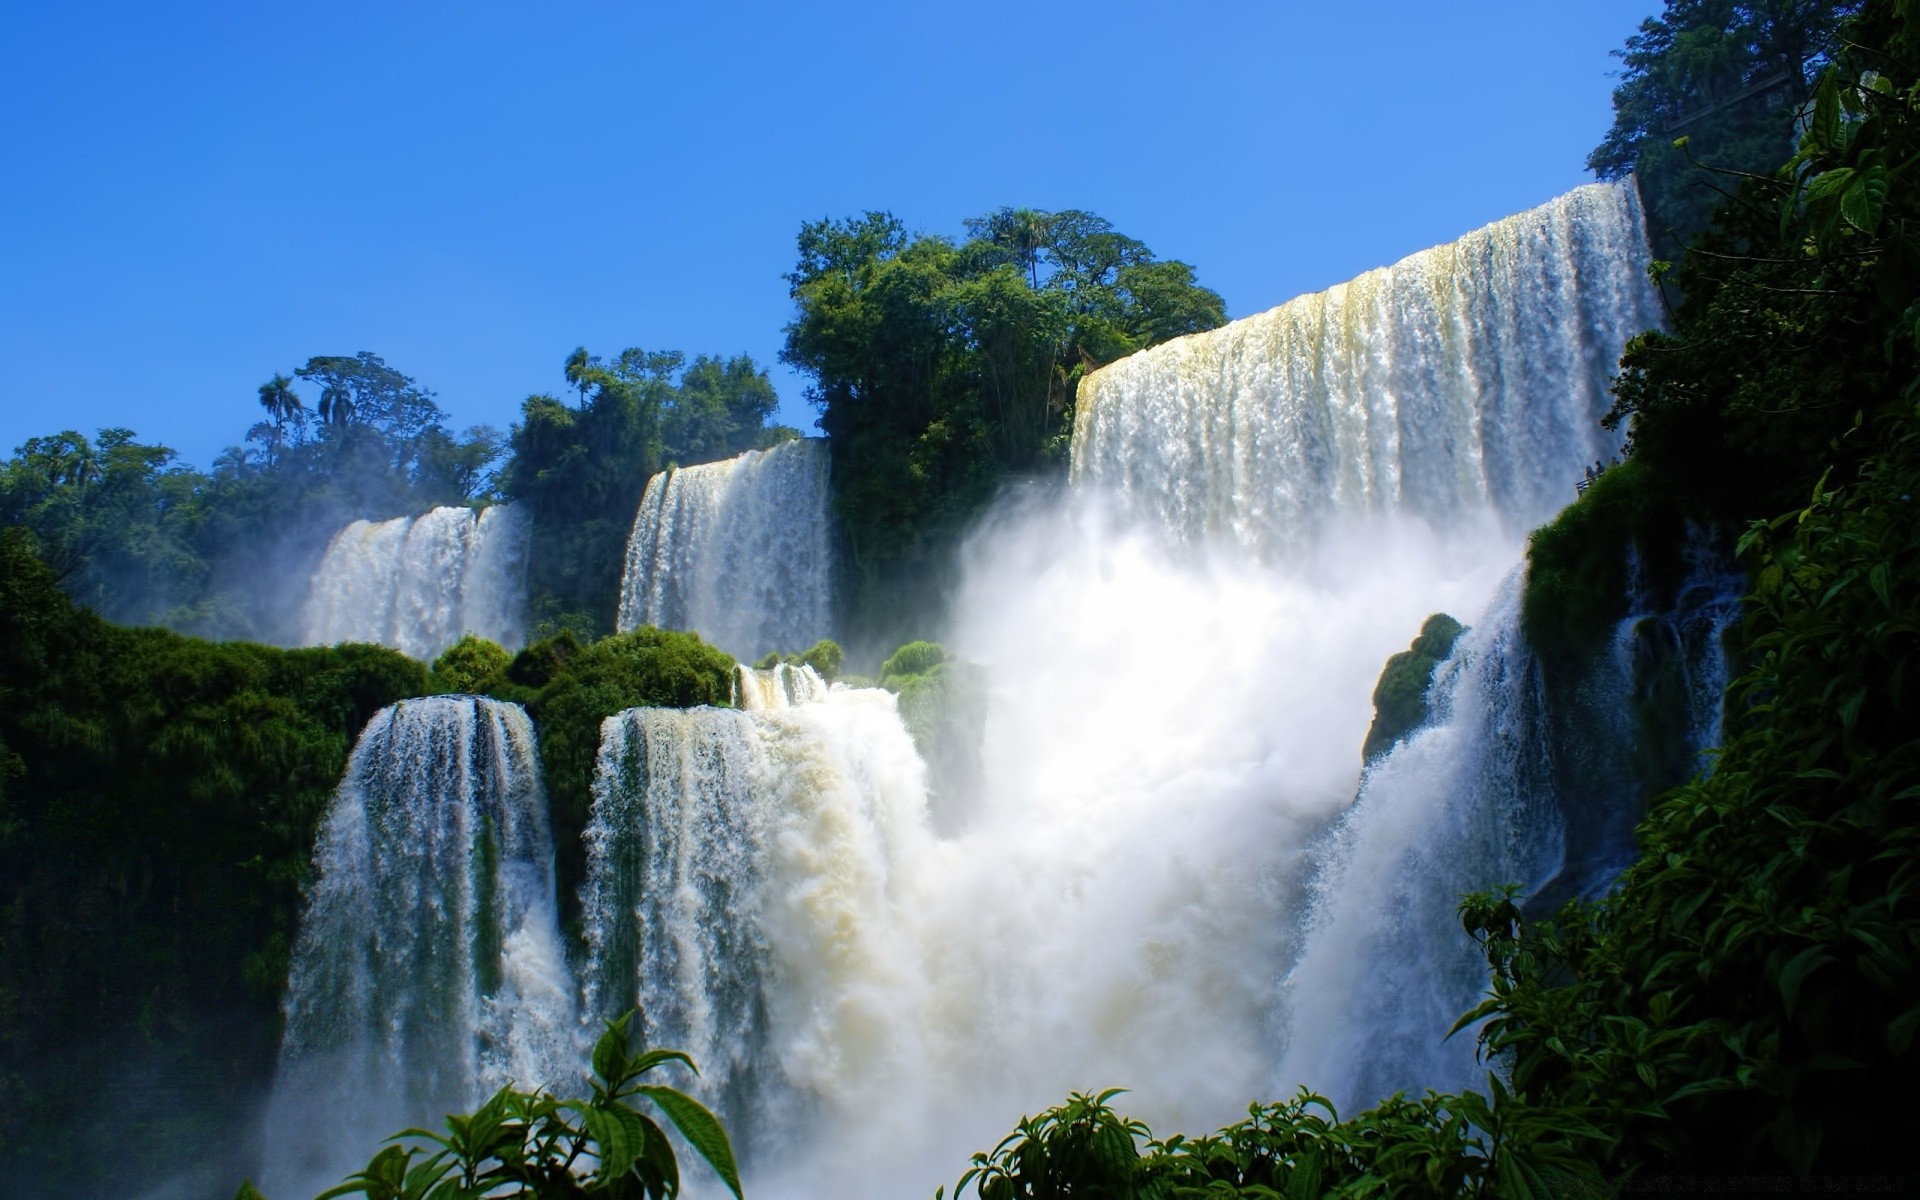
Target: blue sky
(195, 196)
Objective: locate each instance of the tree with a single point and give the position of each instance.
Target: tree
(283, 408)
(942, 369)
(1731, 77)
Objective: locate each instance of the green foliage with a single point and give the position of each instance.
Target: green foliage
(580, 469)
(1744, 999)
(1437, 1146)
(914, 658)
(569, 689)
(941, 368)
(158, 802)
(824, 656)
(536, 1146)
(1727, 79)
(1577, 564)
(472, 664)
(142, 540)
(1400, 698)
(943, 704)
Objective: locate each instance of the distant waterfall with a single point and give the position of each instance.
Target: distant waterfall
(418, 584)
(738, 551)
(738, 887)
(1466, 379)
(429, 969)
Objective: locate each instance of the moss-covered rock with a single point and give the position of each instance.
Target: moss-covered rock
(1400, 698)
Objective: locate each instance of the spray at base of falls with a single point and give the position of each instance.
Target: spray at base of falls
(418, 584)
(1466, 379)
(738, 551)
(429, 969)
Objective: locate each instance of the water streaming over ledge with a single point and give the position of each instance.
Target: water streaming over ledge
(429, 968)
(1464, 380)
(739, 551)
(418, 584)
(1167, 882)
(739, 886)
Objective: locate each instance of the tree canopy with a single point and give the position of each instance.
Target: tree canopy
(942, 367)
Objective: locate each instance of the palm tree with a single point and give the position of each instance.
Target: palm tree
(579, 371)
(282, 405)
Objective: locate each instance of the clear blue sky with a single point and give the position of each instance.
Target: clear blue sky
(195, 196)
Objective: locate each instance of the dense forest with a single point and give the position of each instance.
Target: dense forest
(1744, 1004)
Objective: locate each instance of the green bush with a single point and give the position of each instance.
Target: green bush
(1400, 698)
(472, 664)
(569, 689)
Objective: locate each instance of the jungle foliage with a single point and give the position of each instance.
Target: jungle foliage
(1728, 76)
(941, 367)
(159, 797)
(580, 467)
(142, 539)
(535, 1146)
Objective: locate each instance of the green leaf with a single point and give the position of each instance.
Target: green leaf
(248, 1191)
(610, 1052)
(701, 1128)
(1796, 971)
(618, 1138)
(1823, 132)
(1865, 200)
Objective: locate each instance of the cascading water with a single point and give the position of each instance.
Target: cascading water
(738, 551)
(1503, 786)
(1155, 885)
(739, 887)
(429, 969)
(418, 584)
(1465, 380)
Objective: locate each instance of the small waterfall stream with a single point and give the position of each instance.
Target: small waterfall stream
(739, 551)
(418, 584)
(429, 969)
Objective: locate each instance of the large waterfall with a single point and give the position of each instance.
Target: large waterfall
(1463, 382)
(418, 584)
(1172, 874)
(429, 967)
(739, 551)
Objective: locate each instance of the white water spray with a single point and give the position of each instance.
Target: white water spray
(418, 584)
(739, 551)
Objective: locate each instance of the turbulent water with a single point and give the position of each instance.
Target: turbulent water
(429, 968)
(739, 551)
(1463, 381)
(418, 584)
(1163, 879)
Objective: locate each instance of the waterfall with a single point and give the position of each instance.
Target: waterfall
(1165, 881)
(428, 970)
(418, 584)
(739, 551)
(740, 875)
(1503, 786)
(1463, 381)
